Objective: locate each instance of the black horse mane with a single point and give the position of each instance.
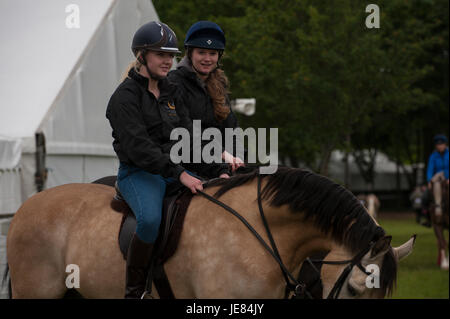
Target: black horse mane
(331, 207)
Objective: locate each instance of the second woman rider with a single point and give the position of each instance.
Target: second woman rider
(204, 85)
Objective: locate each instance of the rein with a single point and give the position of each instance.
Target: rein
(292, 284)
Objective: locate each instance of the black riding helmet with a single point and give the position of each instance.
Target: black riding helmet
(154, 36)
(206, 35)
(440, 139)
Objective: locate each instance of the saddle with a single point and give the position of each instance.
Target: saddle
(175, 204)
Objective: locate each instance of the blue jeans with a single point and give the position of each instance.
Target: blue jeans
(144, 193)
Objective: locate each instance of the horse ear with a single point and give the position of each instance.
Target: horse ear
(381, 246)
(405, 249)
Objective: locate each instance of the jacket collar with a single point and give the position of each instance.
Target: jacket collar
(142, 80)
(186, 67)
(184, 63)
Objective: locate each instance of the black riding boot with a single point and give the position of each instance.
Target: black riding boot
(138, 258)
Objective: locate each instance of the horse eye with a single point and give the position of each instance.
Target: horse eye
(352, 290)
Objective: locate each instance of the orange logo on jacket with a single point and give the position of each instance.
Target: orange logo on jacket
(172, 107)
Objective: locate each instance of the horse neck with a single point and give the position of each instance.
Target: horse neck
(295, 238)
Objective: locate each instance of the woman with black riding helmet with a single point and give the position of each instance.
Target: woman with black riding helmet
(142, 112)
(204, 84)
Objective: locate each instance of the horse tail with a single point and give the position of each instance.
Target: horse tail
(5, 277)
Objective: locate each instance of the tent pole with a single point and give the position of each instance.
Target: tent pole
(40, 176)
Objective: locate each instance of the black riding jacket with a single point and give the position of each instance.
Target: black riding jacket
(142, 125)
(197, 100)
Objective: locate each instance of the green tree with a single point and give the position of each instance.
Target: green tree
(415, 40)
(326, 80)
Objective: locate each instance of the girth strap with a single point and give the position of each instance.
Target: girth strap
(162, 283)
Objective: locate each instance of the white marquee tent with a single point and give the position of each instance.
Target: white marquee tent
(56, 80)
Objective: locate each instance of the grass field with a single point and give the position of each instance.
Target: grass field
(419, 277)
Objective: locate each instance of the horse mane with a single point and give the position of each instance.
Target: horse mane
(330, 206)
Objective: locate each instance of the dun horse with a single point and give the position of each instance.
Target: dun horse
(217, 256)
(440, 223)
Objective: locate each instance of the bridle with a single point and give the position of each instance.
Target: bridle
(356, 261)
(293, 284)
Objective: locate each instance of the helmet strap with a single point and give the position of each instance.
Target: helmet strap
(152, 75)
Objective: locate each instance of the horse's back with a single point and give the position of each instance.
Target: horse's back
(67, 224)
(58, 206)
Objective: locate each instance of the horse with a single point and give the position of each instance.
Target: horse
(439, 224)
(372, 203)
(217, 256)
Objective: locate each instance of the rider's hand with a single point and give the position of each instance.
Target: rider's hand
(235, 162)
(191, 182)
(224, 175)
(238, 162)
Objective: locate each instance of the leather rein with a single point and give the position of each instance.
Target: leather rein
(293, 284)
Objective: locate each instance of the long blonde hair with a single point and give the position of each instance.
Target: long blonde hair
(132, 65)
